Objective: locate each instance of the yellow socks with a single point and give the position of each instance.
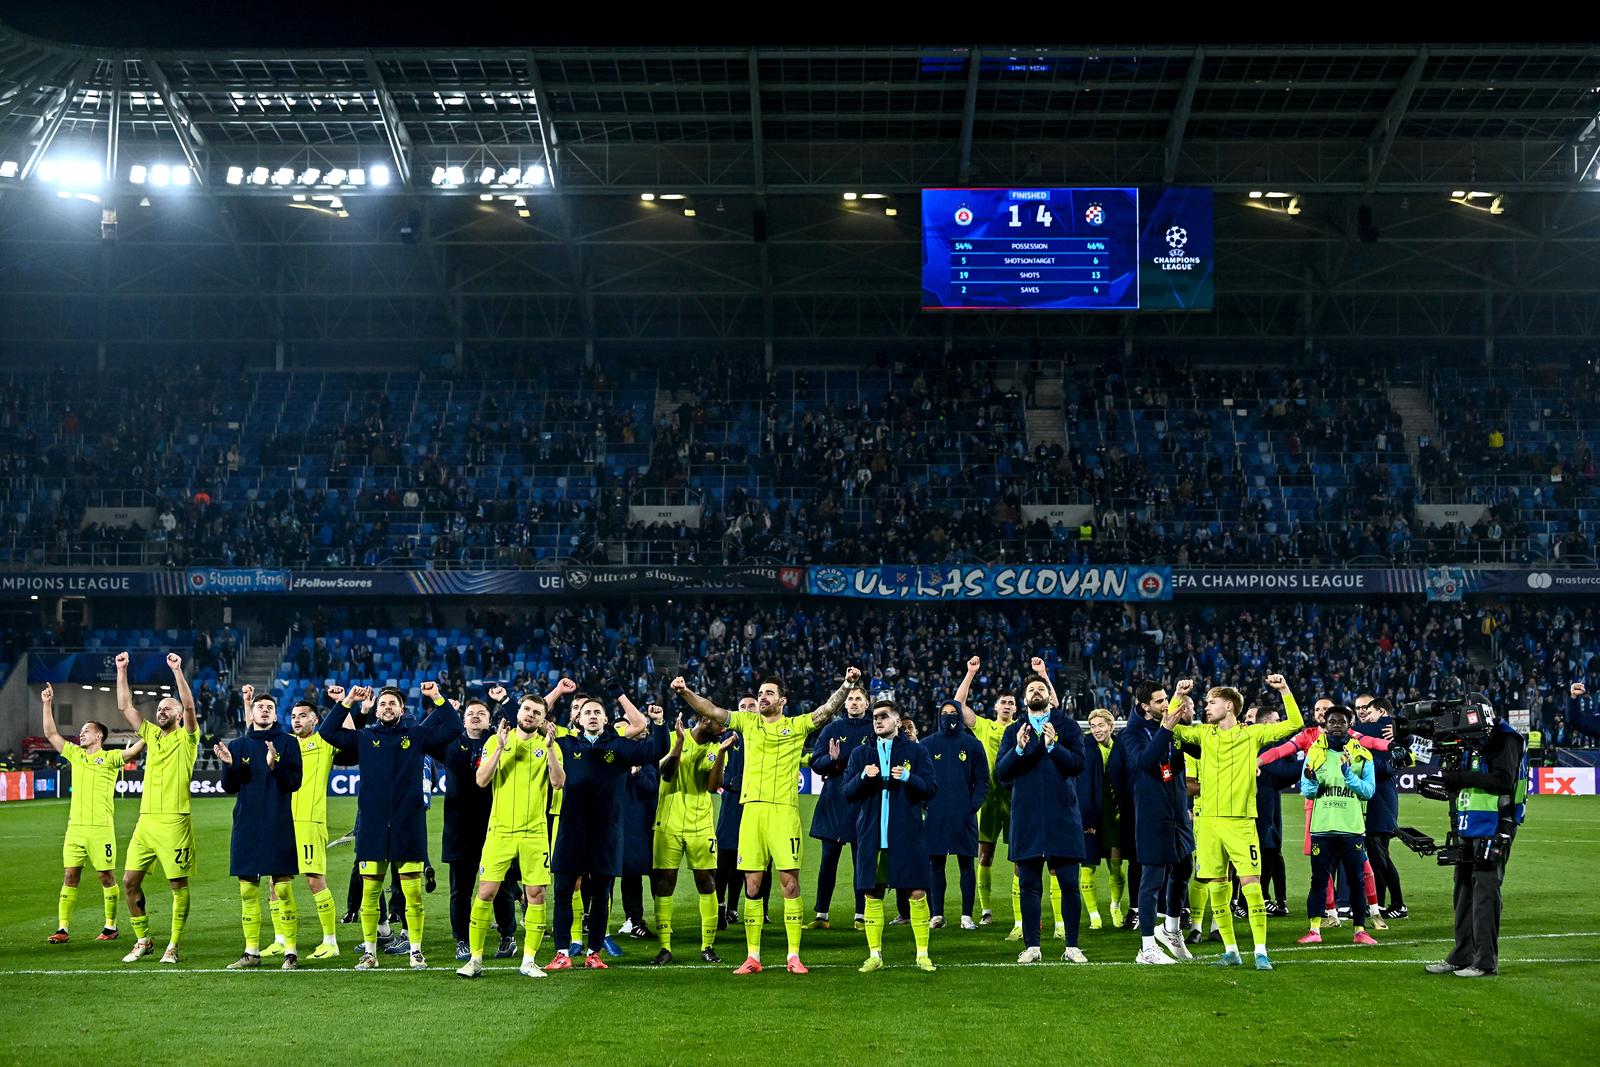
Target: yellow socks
(109, 894)
(478, 926)
(752, 927)
(411, 888)
(533, 922)
(326, 918)
(64, 905)
(919, 924)
(250, 905)
(985, 883)
(1257, 903)
(793, 920)
(371, 896)
(1086, 890)
(1219, 892)
(875, 925)
(286, 923)
(180, 913)
(664, 922)
(708, 920)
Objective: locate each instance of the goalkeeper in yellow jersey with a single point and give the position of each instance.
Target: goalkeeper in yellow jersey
(1226, 830)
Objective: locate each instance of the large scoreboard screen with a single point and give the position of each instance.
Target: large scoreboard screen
(1099, 249)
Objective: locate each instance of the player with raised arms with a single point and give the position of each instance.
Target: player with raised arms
(521, 766)
(164, 832)
(770, 825)
(393, 822)
(1225, 828)
(91, 836)
(686, 831)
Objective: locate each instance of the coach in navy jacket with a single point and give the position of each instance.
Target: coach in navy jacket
(1041, 755)
(263, 841)
(1165, 840)
(907, 859)
(393, 817)
(833, 821)
(589, 844)
(961, 768)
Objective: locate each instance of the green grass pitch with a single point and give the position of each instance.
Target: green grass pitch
(1336, 1002)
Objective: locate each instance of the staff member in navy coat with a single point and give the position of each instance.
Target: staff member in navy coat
(961, 767)
(888, 781)
(1040, 756)
(466, 824)
(588, 844)
(262, 769)
(392, 814)
(1271, 780)
(1120, 773)
(833, 821)
(1165, 838)
(642, 794)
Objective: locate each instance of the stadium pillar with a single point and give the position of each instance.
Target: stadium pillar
(1488, 327)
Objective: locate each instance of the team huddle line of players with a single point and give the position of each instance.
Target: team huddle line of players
(1192, 806)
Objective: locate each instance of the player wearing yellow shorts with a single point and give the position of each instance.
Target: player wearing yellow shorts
(91, 830)
(686, 830)
(522, 766)
(774, 744)
(1225, 828)
(163, 832)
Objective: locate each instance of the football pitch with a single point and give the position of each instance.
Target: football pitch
(1334, 1002)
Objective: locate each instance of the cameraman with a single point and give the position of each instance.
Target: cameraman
(1486, 803)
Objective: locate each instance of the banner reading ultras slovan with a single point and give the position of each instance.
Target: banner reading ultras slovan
(1043, 581)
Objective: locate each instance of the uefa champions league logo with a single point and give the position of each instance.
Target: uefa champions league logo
(1177, 237)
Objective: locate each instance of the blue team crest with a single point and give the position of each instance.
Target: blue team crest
(405, 742)
(538, 753)
(611, 757)
(308, 746)
(99, 760)
(783, 732)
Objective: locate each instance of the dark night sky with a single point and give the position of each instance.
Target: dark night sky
(219, 23)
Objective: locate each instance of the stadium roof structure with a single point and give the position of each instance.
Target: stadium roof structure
(596, 196)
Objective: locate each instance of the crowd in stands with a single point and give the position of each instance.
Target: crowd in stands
(916, 461)
(1518, 655)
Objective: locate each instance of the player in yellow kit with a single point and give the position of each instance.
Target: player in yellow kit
(1225, 827)
(523, 766)
(163, 833)
(311, 820)
(686, 830)
(770, 828)
(91, 831)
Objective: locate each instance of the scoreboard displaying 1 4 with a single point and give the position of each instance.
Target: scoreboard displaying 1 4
(1101, 249)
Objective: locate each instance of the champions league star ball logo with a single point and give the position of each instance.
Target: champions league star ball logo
(1177, 237)
(1095, 215)
(963, 216)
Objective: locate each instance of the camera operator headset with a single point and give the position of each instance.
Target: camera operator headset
(1486, 786)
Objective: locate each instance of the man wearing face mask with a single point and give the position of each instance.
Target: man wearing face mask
(262, 769)
(833, 820)
(1040, 758)
(888, 781)
(1338, 780)
(961, 770)
(392, 817)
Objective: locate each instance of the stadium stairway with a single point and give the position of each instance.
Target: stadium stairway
(1410, 402)
(667, 660)
(259, 667)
